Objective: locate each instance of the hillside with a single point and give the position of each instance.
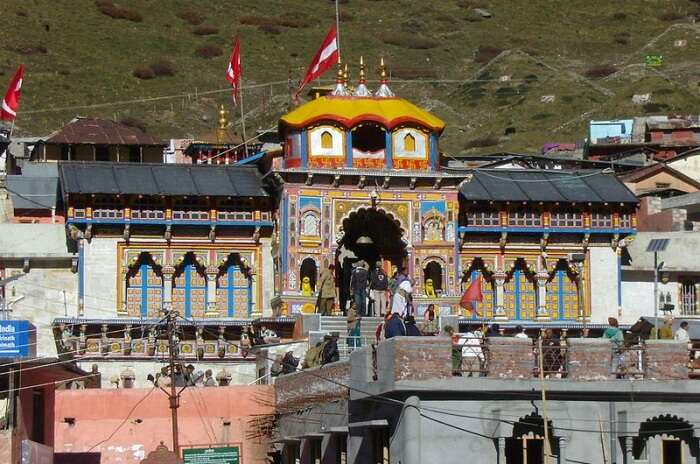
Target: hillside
(538, 69)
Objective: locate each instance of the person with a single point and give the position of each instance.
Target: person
(163, 378)
(472, 354)
(358, 287)
(682, 334)
(379, 332)
(209, 379)
(398, 276)
(551, 353)
(394, 327)
(190, 378)
(378, 287)
(354, 333)
(327, 291)
(411, 328)
(179, 376)
(430, 326)
(617, 337)
(330, 353)
(457, 343)
(402, 299)
(289, 363)
(520, 332)
(494, 331)
(666, 329)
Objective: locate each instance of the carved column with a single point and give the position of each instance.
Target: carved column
(629, 455)
(212, 272)
(123, 308)
(562, 448)
(542, 277)
(500, 278)
(501, 450)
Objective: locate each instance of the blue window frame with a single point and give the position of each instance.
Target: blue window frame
(144, 293)
(235, 292)
(190, 291)
(520, 296)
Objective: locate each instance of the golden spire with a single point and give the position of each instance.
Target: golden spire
(346, 75)
(362, 70)
(339, 76)
(223, 122)
(383, 90)
(340, 89)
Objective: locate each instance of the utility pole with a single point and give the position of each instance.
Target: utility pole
(173, 396)
(546, 451)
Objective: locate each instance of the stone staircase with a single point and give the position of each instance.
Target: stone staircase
(368, 326)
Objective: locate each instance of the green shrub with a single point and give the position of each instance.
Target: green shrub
(208, 51)
(205, 30)
(191, 17)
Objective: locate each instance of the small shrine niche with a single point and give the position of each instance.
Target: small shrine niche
(433, 279)
(308, 271)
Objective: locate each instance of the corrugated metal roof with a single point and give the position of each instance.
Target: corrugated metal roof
(545, 186)
(101, 132)
(160, 179)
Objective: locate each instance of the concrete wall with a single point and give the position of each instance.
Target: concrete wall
(100, 265)
(603, 283)
(206, 416)
(638, 294)
(690, 166)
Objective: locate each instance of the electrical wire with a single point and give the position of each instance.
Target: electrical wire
(131, 411)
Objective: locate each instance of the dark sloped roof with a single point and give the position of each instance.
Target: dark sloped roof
(32, 192)
(160, 179)
(545, 186)
(101, 132)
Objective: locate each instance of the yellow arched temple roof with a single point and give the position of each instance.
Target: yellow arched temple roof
(349, 111)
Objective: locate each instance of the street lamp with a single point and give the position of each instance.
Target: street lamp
(655, 246)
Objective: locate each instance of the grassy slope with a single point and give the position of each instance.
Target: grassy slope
(90, 57)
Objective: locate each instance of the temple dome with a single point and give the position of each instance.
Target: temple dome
(350, 111)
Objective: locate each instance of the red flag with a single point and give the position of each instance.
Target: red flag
(472, 294)
(10, 103)
(233, 73)
(325, 57)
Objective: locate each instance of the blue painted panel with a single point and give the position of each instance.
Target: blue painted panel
(348, 148)
(17, 339)
(304, 148)
(438, 205)
(600, 130)
(388, 151)
(434, 151)
(309, 201)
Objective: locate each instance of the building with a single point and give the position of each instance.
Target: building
(399, 402)
(362, 179)
(91, 139)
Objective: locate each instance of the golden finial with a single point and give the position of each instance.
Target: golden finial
(346, 75)
(223, 122)
(382, 69)
(362, 70)
(340, 76)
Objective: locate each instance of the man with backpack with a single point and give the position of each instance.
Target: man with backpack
(358, 287)
(378, 286)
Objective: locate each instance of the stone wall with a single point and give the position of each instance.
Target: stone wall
(510, 358)
(589, 358)
(667, 360)
(310, 386)
(414, 358)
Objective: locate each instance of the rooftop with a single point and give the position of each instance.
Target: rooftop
(93, 131)
(160, 179)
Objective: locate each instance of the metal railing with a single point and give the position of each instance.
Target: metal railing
(349, 343)
(628, 362)
(555, 359)
(473, 356)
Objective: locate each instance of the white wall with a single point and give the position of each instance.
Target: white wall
(638, 295)
(40, 298)
(100, 264)
(267, 279)
(603, 283)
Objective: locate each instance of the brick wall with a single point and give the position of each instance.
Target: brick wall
(416, 358)
(510, 358)
(667, 360)
(309, 386)
(589, 359)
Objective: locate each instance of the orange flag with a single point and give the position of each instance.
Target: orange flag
(472, 294)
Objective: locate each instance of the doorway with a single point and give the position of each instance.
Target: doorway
(671, 452)
(370, 235)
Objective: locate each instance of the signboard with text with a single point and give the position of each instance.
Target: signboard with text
(223, 455)
(17, 339)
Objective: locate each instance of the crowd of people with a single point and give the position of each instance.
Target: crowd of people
(372, 291)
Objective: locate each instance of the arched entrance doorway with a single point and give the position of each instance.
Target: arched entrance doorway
(370, 235)
(526, 446)
(668, 436)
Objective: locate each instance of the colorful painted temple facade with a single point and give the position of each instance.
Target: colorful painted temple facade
(362, 178)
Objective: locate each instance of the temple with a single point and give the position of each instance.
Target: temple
(234, 240)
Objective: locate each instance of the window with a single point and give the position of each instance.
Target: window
(601, 220)
(524, 219)
(65, 152)
(625, 221)
(562, 295)
(409, 143)
(689, 297)
(101, 153)
(190, 288)
(519, 294)
(134, 154)
(144, 288)
(368, 138)
(326, 140)
(483, 218)
(234, 290)
(105, 207)
(567, 220)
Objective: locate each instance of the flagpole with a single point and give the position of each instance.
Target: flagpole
(240, 103)
(337, 28)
